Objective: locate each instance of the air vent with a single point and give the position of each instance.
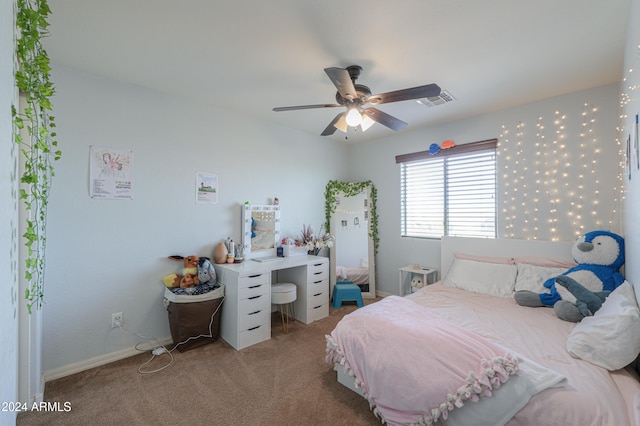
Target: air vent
(444, 97)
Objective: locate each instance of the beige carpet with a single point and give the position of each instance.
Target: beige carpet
(283, 381)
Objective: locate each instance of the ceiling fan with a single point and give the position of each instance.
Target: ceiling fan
(355, 97)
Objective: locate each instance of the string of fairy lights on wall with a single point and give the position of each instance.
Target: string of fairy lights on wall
(629, 87)
(553, 191)
(352, 215)
(542, 192)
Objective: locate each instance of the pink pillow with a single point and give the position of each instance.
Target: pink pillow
(547, 262)
(486, 259)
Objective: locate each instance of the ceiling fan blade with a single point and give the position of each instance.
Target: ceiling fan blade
(419, 92)
(293, 108)
(385, 119)
(342, 80)
(331, 128)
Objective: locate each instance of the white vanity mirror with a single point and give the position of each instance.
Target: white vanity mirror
(353, 223)
(260, 230)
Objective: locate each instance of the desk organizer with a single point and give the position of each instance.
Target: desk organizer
(291, 250)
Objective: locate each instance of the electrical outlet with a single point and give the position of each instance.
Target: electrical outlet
(116, 318)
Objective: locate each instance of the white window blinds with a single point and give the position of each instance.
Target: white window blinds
(450, 193)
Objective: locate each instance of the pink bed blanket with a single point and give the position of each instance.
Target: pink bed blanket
(377, 343)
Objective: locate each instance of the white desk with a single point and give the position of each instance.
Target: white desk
(404, 285)
(246, 313)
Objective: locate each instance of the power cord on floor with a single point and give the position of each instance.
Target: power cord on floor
(160, 349)
(156, 350)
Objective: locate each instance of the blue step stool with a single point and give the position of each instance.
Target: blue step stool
(346, 290)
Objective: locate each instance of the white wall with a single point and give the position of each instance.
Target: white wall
(107, 256)
(630, 88)
(380, 167)
(9, 299)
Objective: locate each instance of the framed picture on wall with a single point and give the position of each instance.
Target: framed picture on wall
(206, 188)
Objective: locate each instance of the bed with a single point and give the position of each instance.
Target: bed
(475, 357)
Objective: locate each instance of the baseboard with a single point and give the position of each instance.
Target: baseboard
(88, 364)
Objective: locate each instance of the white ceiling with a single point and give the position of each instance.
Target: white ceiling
(252, 55)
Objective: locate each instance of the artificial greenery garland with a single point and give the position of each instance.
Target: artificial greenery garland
(38, 147)
(351, 189)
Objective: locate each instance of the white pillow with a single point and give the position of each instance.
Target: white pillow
(532, 277)
(496, 279)
(611, 337)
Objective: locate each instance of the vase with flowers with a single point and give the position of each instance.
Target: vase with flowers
(314, 243)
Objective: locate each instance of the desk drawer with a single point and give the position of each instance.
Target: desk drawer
(253, 279)
(318, 286)
(253, 304)
(253, 335)
(317, 271)
(250, 320)
(317, 299)
(317, 312)
(255, 289)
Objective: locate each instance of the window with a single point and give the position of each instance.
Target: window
(450, 193)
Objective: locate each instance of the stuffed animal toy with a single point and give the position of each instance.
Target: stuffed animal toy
(600, 255)
(416, 283)
(577, 302)
(189, 277)
(206, 273)
(172, 280)
(188, 281)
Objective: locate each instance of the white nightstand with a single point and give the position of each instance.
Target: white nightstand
(429, 276)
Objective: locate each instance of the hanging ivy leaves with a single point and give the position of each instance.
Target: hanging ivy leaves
(351, 189)
(38, 146)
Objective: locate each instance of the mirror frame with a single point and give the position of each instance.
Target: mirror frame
(247, 210)
(351, 189)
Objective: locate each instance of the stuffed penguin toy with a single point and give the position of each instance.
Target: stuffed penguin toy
(600, 255)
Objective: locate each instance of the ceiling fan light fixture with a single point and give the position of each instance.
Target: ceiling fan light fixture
(341, 124)
(354, 118)
(366, 122)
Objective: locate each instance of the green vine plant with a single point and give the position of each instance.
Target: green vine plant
(34, 132)
(351, 189)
